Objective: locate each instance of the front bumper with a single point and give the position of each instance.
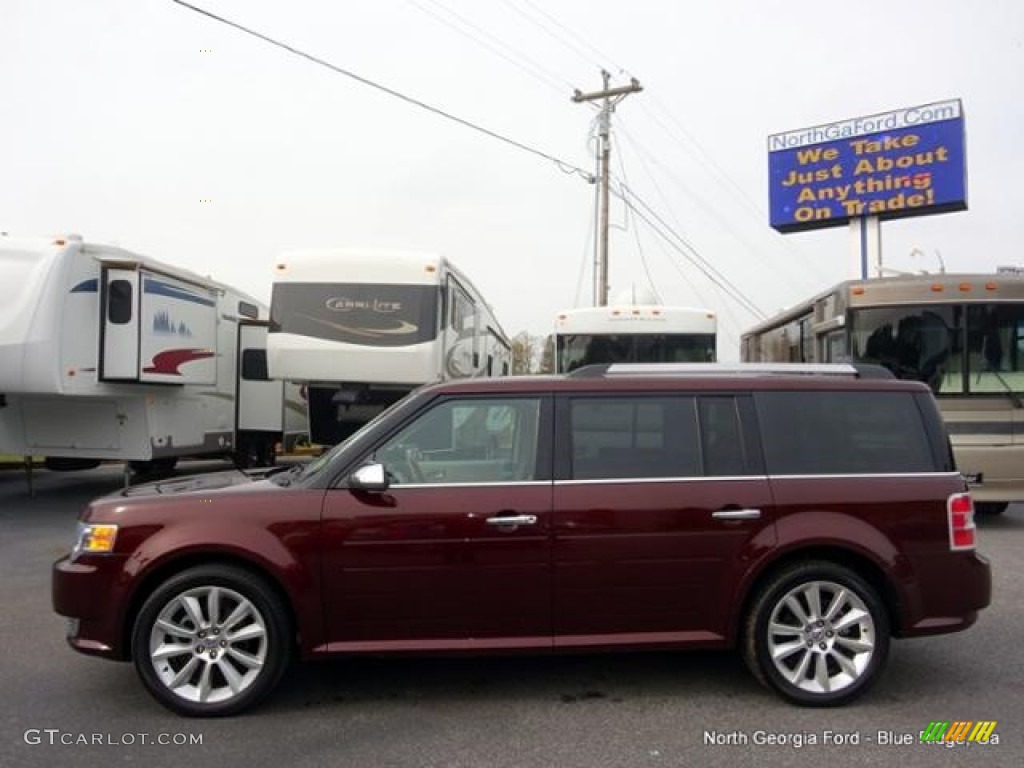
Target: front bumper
(86, 591)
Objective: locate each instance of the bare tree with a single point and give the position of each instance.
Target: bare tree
(523, 351)
(547, 358)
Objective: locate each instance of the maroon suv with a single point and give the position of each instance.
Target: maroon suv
(804, 517)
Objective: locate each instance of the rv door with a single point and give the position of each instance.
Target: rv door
(260, 398)
(119, 325)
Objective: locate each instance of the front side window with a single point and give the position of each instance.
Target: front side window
(479, 440)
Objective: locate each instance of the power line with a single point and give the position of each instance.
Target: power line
(565, 40)
(562, 165)
(723, 296)
(514, 57)
(686, 249)
(636, 237)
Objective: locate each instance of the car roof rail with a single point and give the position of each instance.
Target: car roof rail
(852, 370)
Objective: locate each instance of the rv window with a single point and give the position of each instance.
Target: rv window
(254, 365)
(119, 302)
(245, 309)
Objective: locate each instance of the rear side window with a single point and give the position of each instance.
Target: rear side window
(809, 433)
(625, 437)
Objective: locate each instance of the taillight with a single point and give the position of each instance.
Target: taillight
(962, 533)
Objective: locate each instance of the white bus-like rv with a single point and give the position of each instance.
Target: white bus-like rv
(962, 334)
(108, 355)
(363, 328)
(634, 333)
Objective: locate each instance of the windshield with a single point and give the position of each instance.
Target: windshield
(575, 350)
(954, 348)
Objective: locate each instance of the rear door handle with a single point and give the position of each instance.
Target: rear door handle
(513, 520)
(737, 514)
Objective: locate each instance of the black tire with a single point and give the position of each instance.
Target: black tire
(254, 452)
(161, 466)
(824, 662)
(990, 507)
(252, 652)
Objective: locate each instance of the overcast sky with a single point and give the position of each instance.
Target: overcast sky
(143, 123)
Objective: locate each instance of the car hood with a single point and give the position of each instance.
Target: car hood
(206, 483)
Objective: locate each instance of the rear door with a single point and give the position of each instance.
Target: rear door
(660, 501)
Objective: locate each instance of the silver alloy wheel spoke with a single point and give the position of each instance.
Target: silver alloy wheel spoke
(234, 680)
(240, 612)
(250, 632)
(175, 630)
(213, 605)
(788, 630)
(800, 672)
(798, 610)
(844, 663)
(813, 595)
(194, 610)
(821, 672)
(215, 665)
(785, 650)
(245, 659)
(820, 637)
(854, 616)
(170, 650)
(204, 682)
(857, 646)
(184, 675)
(837, 602)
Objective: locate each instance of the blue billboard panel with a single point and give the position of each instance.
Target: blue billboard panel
(904, 163)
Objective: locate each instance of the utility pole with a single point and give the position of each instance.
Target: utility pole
(609, 98)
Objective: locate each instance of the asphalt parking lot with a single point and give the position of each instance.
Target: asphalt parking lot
(659, 709)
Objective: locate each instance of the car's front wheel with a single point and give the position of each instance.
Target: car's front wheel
(817, 633)
(211, 641)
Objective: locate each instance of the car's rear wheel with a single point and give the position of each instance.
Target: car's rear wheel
(817, 633)
(211, 641)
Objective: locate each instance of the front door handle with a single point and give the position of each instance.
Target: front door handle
(513, 520)
(737, 514)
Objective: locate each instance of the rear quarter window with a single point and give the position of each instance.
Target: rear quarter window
(809, 433)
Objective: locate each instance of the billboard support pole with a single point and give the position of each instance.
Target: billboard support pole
(866, 245)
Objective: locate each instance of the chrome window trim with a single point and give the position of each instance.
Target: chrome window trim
(489, 484)
(714, 479)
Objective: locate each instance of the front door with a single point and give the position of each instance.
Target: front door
(456, 552)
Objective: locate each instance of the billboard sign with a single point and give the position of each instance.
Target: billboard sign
(907, 162)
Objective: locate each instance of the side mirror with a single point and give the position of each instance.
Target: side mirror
(369, 477)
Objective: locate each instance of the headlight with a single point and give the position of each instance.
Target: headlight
(94, 538)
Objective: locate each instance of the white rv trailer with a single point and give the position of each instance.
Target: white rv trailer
(107, 355)
(363, 328)
(633, 333)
